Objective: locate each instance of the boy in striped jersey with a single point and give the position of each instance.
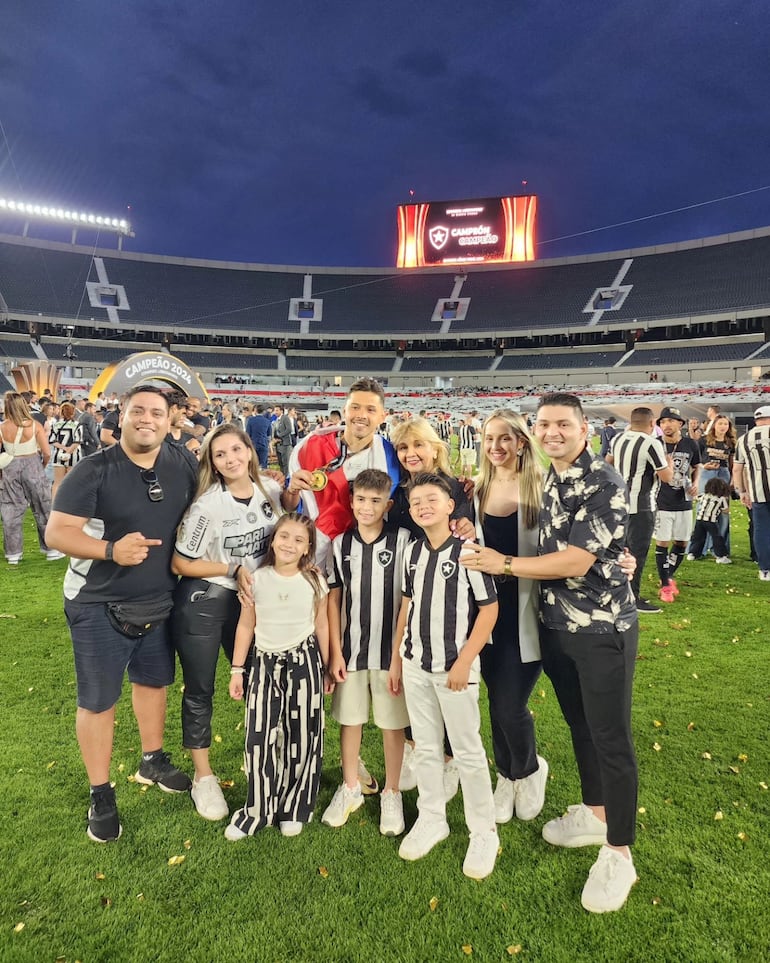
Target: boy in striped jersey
(447, 615)
(364, 600)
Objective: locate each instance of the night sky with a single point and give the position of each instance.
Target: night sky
(288, 136)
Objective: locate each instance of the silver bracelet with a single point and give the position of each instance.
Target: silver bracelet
(237, 669)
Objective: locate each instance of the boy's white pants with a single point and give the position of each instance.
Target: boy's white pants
(432, 706)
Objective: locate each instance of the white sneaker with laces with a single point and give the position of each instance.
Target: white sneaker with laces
(530, 792)
(53, 556)
(577, 827)
(13, 559)
(391, 813)
(609, 882)
(451, 779)
(408, 778)
(290, 827)
(208, 798)
(505, 791)
(690, 557)
(422, 837)
(724, 560)
(344, 802)
(764, 576)
(482, 854)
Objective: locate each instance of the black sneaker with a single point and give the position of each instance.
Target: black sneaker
(103, 822)
(159, 770)
(642, 605)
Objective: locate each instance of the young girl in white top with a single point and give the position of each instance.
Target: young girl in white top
(288, 629)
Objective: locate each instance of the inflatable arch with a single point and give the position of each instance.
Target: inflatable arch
(148, 366)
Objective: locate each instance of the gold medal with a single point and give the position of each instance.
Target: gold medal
(319, 480)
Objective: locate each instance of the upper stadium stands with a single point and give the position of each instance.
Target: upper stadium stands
(687, 309)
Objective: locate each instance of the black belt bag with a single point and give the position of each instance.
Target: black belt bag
(136, 619)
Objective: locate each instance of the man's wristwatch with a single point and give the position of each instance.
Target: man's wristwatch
(108, 552)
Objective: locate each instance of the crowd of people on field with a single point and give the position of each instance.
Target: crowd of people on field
(358, 558)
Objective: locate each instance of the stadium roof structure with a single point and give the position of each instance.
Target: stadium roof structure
(715, 278)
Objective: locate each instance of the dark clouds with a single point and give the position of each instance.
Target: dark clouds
(289, 135)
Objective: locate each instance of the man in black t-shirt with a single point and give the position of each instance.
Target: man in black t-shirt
(673, 523)
(116, 515)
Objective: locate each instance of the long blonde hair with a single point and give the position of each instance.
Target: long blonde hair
(420, 429)
(529, 468)
(208, 476)
(17, 409)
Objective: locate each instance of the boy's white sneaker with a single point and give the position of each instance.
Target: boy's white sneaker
(451, 779)
(724, 560)
(530, 792)
(505, 791)
(391, 813)
(482, 854)
(408, 778)
(577, 827)
(426, 833)
(609, 882)
(208, 799)
(344, 802)
(290, 827)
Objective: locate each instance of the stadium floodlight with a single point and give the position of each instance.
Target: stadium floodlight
(50, 212)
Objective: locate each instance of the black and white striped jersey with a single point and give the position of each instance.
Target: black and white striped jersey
(710, 507)
(369, 575)
(637, 458)
(444, 602)
(753, 452)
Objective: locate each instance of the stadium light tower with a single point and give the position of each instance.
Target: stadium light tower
(53, 213)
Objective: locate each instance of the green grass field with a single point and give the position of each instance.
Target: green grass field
(701, 723)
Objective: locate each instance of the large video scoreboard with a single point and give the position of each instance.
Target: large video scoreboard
(467, 232)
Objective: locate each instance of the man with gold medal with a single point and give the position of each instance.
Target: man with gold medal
(324, 463)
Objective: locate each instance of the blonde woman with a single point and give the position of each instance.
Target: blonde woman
(222, 539)
(420, 449)
(24, 480)
(509, 489)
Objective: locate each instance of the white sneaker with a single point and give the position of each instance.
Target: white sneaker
(368, 783)
(690, 557)
(763, 575)
(208, 799)
(53, 556)
(13, 559)
(391, 813)
(408, 778)
(609, 882)
(577, 827)
(344, 802)
(426, 833)
(451, 779)
(233, 833)
(290, 827)
(530, 792)
(724, 560)
(505, 790)
(482, 855)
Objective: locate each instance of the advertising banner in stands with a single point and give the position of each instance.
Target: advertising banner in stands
(467, 232)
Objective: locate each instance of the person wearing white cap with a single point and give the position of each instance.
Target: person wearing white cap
(751, 479)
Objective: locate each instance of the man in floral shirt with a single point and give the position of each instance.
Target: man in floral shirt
(588, 639)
